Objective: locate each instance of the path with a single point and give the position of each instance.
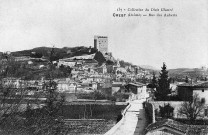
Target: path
(133, 122)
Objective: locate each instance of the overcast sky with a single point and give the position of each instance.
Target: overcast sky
(180, 41)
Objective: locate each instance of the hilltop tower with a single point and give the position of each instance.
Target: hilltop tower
(101, 43)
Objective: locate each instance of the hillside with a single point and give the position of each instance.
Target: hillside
(149, 68)
(190, 72)
(66, 52)
(59, 53)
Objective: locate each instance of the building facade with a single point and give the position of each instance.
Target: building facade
(187, 90)
(137, 90)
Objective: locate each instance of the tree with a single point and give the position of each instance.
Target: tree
(46, 120)
(52, 55)
(192, 108)
(154, 81)
(99, 58)
(66, 70)
(163, 88)
(144, 80)
(186, 80)
(11, 98)
(166, 111)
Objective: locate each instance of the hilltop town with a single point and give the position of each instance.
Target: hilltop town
(83, 90)
(76, 70)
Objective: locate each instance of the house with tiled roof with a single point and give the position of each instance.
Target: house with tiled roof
(187, 90)
(172, 127)
(137, 90)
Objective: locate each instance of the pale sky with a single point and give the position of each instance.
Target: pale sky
(180, 41)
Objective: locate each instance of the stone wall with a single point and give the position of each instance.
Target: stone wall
(150, 113)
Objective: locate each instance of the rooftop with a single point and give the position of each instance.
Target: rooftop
(168, 123)
(184, 128)
(195, 84)
(137, 84)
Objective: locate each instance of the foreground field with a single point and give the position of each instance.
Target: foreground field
(91, 111)
(90, 118)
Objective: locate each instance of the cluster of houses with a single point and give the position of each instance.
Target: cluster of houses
(92, 72)
(88, 75)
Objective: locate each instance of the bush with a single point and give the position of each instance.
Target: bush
(112, 98)
(84, 96)
(121, 96)
(92, 95)
(196, 122)
(170, 98)
(166, 111)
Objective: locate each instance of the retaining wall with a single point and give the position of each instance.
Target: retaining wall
(114, 128)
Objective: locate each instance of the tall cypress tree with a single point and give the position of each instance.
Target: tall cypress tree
(186, 80)
(163, 88)
(154, 81)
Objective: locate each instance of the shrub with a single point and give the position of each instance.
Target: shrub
(166, 111)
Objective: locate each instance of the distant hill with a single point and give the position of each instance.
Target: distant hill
(190, 72)
(148, 67)
(179, 73)
(179, 70)
(65, 52)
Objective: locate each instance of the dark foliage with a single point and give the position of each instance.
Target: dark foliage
(163, 88)
(36, 55)
(46, 119)
(99, 58)
(148, 112)
(59, 52)
(154, 83)
(96, 95)
(192, 108)
(121, 96)
(196, 122)
(109, 62)
(124, 64)
(186, 80)
(166, 111)
(92, 111)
